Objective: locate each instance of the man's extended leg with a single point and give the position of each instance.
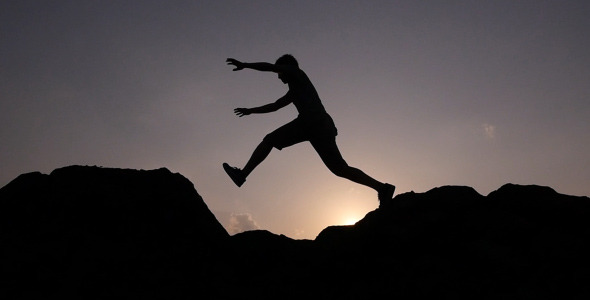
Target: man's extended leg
(330, 155)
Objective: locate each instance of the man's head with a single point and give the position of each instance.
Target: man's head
(286, 60)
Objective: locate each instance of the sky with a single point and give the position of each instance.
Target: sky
(424, 94)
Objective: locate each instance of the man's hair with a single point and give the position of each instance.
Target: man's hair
(288, 60)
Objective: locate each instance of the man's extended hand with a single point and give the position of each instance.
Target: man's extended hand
(240, 112)
(238, 64)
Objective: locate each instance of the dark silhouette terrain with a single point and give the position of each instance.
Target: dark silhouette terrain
(99, 233)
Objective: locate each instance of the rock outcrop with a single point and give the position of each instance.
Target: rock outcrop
(519, 242)
(89, 232)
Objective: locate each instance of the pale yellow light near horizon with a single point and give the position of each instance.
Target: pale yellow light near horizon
(350, 220)
(352, 209)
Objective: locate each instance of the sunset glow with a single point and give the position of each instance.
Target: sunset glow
(350, 220)
(423, 94)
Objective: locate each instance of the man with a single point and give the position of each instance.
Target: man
(313, 124)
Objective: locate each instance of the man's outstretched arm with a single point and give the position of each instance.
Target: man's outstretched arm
(282, 102)
(259, 66)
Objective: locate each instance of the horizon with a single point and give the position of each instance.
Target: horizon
(239, 223)
(423, 95)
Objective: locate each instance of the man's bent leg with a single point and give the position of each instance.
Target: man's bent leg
(259, 154)
(285, 136)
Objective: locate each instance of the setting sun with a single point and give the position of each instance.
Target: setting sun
(350, 220)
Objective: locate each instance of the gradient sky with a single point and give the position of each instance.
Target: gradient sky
(424, 94)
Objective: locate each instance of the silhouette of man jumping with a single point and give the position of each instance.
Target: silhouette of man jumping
(313, 124)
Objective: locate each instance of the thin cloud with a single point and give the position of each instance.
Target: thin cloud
(241, 222)
(490, 130)
(299, 232)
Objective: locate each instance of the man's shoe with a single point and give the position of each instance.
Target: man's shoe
(235, 174)
(386, 193)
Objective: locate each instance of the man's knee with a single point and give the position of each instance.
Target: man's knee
(270, 141)
(339, 168)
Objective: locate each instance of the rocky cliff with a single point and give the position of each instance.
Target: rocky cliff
(96, 233)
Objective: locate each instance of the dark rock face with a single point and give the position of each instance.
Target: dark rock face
(519, 242)
(87, 232)
(99, 231)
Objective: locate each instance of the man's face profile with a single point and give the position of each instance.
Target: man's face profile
(283, 77)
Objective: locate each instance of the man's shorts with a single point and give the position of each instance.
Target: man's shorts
(316, 130)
